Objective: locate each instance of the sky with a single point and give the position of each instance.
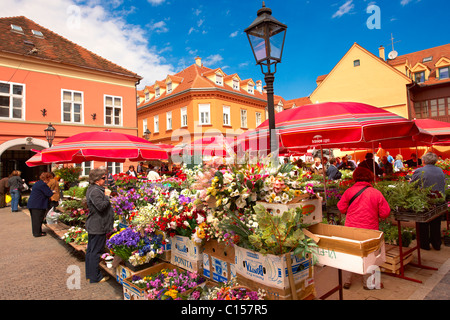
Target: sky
(154, 38)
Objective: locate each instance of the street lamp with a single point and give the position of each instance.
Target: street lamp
(266, 36)
(50, 134)
(147, 134)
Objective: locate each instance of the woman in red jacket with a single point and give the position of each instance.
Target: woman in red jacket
(364, 206)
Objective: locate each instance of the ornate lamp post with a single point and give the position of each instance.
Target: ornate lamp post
(147, 134)
(50, 134)
(266, 36)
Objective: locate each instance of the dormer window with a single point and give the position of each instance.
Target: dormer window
(219, 79)
(169, 87)
(419, 77)
(157, 92)
(235, 84)
(147, 96)
(251, 89)
(444, 73)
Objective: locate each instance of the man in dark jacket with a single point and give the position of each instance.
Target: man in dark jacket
(370, 164)
(430, 176)
(333, 172)
(99, 222)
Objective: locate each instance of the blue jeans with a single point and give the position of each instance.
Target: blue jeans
(15, 197)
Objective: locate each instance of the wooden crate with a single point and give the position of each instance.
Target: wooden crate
(392, 264)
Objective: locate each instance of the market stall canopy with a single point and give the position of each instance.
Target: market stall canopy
(35, 160)
(216, 145)
(105, 146)
(334, 125)
(433, 131)
(164, 146)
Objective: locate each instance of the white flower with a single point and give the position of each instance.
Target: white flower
(200, 219)
(241, 203)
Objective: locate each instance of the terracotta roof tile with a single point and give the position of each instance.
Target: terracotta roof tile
(52, 47)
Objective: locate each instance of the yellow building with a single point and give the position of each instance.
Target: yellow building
(414, 85)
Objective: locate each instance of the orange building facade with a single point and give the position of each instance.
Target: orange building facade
(44, 79)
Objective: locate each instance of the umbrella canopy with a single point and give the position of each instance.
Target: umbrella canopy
(35, 160)
(216, 145)
(335, 124)
(102, 146)
(166, 147)
(433, 131)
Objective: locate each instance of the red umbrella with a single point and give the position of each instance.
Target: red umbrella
(102, 146)
(35, 160)
(216, 145)
(433, 131)
(335, 124)
(166, 147)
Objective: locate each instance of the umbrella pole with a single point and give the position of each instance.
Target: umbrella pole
(373, 165)
(324, 176)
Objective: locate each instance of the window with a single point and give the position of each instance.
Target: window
(219, 79)
(433, 108)
(419, 76)
(38, 34)
(444, 73)
(16, 28)
(356, 63)
(114, 167)
(12, 100)
(157, 92)
(147, 96)
(72, 102)
(226, 116)
(258, 118)
(421, 109)
(113, 110)
(184, 117)
(169, 87)
(204, 114)
(169, 120)
(144, 125)
(243, 118)
(427, 59)
(250, 89)
(156, 124)
(85, 167)
(235, 84)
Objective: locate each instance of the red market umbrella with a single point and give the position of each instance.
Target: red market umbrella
(216, 145)
(35, 160)
(102, 146)
(433, 131)
(334, 125)
(166, 147)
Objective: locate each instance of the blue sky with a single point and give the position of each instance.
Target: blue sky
(158, 37)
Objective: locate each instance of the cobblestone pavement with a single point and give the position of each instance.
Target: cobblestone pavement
(41, 268)
(44, 268)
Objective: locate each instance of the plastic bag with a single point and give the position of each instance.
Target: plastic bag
(8, 198)
(52, 216)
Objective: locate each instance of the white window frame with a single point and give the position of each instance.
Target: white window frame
(205, 110)
(72, 109)
(169, 87)
(244, 118)
(114, 107)
(448, 72)
(144, 125)
(184, 119)
(157, 92)
(147, 96)
(85, 167)
(226, 115)
(236, 84)
(251, 89)
(219, 79)
(258, 117)
(168, 120)
(11, 96)
(156, 124)
(114, 167)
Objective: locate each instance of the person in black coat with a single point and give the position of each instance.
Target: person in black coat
(99, 222)
(333, 172)
(38, 203)
(430, 176)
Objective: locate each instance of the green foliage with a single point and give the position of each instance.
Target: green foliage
(391, 234)
(70, 174)
(280, 234)
(76, 192)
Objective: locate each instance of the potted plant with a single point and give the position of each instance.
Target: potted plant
(70, 175)
(446, 236)
(108, 259)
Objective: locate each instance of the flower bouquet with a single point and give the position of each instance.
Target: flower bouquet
(168, 284)
(76, 235)
(124, 180)
(135, 248)
(226, 291)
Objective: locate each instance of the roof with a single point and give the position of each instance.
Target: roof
(411, 59)
(298, 102)
(195, 77)
(52, 47)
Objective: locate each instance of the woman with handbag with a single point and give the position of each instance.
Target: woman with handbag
(38, 203)
(363, 206)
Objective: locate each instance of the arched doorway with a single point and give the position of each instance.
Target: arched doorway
(14, 153)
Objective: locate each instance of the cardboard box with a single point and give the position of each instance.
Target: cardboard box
(271, 272)
(312, 209)
(122, 273)
(218, 261)
(186, 248)
(133, 292)
(350, 249)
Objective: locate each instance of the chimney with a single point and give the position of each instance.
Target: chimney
(198, 61)
(381, 53)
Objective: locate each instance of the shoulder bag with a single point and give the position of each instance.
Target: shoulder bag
(357, 195)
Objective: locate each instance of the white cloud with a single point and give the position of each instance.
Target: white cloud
(159, 27)
(344, 9)
(212, 60)
(234, 34)
(155, 2)
(405, 2)
(96, 29)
